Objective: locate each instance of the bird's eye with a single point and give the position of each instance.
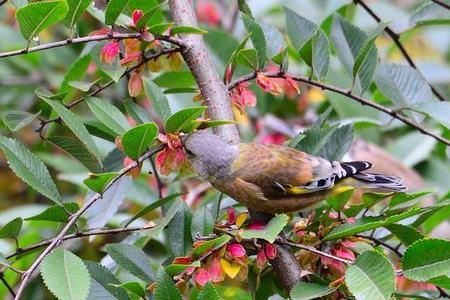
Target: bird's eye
(189, 152)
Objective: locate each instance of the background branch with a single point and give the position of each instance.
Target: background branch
(396, 39)
(346, 92)
(442, 3)
(217, 99)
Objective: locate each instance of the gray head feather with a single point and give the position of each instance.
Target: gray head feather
(210, 156)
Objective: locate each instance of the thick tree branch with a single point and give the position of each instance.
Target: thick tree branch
(86, 39)
(346, 92)
(219, 108)
(396, 39)
(73, 219)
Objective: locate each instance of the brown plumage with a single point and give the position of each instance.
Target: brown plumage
(275, 179)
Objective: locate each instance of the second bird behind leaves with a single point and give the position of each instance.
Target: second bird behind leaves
(278, 179)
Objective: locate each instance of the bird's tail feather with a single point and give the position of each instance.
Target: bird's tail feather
(380, 182)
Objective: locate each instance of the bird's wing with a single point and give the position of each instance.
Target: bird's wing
(281, 171)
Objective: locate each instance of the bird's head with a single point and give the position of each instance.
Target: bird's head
(210, 156)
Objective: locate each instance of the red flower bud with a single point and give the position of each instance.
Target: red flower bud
(208, 13)
(268, 85)
(135, 84)
(236, 250)
(231, 215)
(137, 14)
(109, 52)
(261, 259)
(271, 251)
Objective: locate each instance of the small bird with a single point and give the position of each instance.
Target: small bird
(277, 179)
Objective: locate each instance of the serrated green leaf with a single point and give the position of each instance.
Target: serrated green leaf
(102, 281)
(202, 222)
(35, 17)
(270, 231)
(211, 244)
(176, 269)
(187, 30)
(71, 145)
(147, 17)
(181, 79)
(320, 54)
(11, 229)
(56, 213)
(29, 168)
(427, 259)
(137, 140)
(274, 39)
(132, 259)
(76, 125)
(17, 119)
(159, 101)
(300, 30)
(406, 234)
(139, 114)
(76, 9)
(114, 9)
(132, 287)
(160, 28)
(233, 58)
(65, 275)
(208, 292)
(165, 288)
(430, 14)
(83, 86)
(181, 118)
(98, 182)
(179, 231)
(257, 37)
(309, 290)
(371, 277)
(109, 115)
(152, 207)
(248, 58)
(403, 200)
(436, 110)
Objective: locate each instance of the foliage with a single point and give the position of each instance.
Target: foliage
(96, 104)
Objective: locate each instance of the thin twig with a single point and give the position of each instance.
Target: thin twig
(103, 87)
(442, 3)
(393, 113)
(5, 283)
(396, 39)
(316, 251)
(382, 243)
(77, 235)
(73, 219)
(87, 39)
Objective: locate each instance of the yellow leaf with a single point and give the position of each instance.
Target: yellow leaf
(240, 219)
(230, 268)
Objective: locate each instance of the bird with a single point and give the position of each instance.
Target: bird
(277, 179)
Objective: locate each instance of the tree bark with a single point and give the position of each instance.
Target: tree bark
(217, 99)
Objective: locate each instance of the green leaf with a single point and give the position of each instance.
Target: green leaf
(18, 119)
(248, 58)
(137, 140)
(320, 54)
(148, 17)
(181, 118)
(102, 283)
(274, 39)
(29, 168)
(76, 71)
(300, 30)
(115, 71)
(233, 58)
(179, 231)
(159, 101)
(76, 125)
(371, 277)
(152, 207)
(73, 146)
(76, 9)
(310, 290)
(427, 259)
(406, 234)
(35, 17)
(369, 223)
(202, 222)
(132, 287)
(187, 30)
(270, 232)
(183, 79)
(165, 288)
(109, 115)
(442, 281)
(244, 8)
(139, 114)
(132, 259)
(114, 9)
(160, 28)
(176, 269)
(430, 14)
(208, 292)
(83, 86)
(404, 200)
(11, 229)
(339, 201)
(97, 182)
(65, 275)
(436, 110)
(402, 84)
(211, 244)
(257, 37)
(56, 213)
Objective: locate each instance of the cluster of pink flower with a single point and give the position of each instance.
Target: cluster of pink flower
(134, 49)
(172, 157)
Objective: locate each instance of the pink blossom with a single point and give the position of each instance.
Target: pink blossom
(345, 253)
(109, 52)
(137, 14)
(236, 250)
(215, 270)
(257, 225)
(231, 215)
(271, 251)
(268, 85)
(207, 13)
(261, 259)
(202, 276)
(135, 84)
(242, 96)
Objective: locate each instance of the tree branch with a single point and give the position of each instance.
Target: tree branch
(73, 219)
(3, 2)
(219, 108)
(346, 92)
(5, 283)
(442, 3)
(396, 39)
